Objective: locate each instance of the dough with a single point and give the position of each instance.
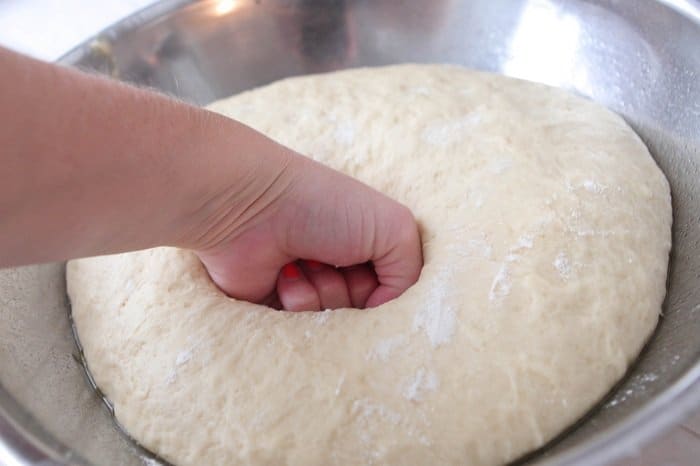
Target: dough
(546, 234)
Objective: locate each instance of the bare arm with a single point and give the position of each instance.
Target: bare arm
(90, 166)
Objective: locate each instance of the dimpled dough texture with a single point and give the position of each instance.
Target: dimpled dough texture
(546, 233)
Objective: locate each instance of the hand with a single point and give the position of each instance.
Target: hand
(134, 170)
(314, 239)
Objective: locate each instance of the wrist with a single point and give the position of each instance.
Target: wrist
(234, 178)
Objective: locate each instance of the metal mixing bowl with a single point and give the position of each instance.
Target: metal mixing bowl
(640, 58)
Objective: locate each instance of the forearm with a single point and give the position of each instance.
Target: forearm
(91, 166)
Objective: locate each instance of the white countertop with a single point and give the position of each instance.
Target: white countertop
(47, 29)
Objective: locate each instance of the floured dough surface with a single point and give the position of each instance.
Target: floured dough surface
(546, 233)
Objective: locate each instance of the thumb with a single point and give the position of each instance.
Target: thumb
(247, 265)
(333, 218)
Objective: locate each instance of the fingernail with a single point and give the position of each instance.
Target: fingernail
(291, 271)
(312, 264)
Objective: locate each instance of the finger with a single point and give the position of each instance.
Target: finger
(272, 301)
(361, 282)
(294, 290)
(329, 283)
(400, 266)
(242, 269)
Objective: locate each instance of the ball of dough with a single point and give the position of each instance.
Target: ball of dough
(546, 233)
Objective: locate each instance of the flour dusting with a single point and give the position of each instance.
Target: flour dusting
(638, 385)
(480, 246)
(437, 317)
(445, 133)
(477, 246)
(422, 382)
(563, 266)
(383, 349)
(322, 317)
(420, 90)
(500, 165)
(339, 385)
(150, 461)
(182, 358)
(524, 242)
(367, 409)
(585, 232)
(344, 133)
(502, 281)
(501, 285)
(592, 186)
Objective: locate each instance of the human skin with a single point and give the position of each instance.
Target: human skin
(91, 166)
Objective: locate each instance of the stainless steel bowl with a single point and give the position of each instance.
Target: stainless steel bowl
(641, 58)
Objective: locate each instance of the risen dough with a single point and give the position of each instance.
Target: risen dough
(546, 233)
